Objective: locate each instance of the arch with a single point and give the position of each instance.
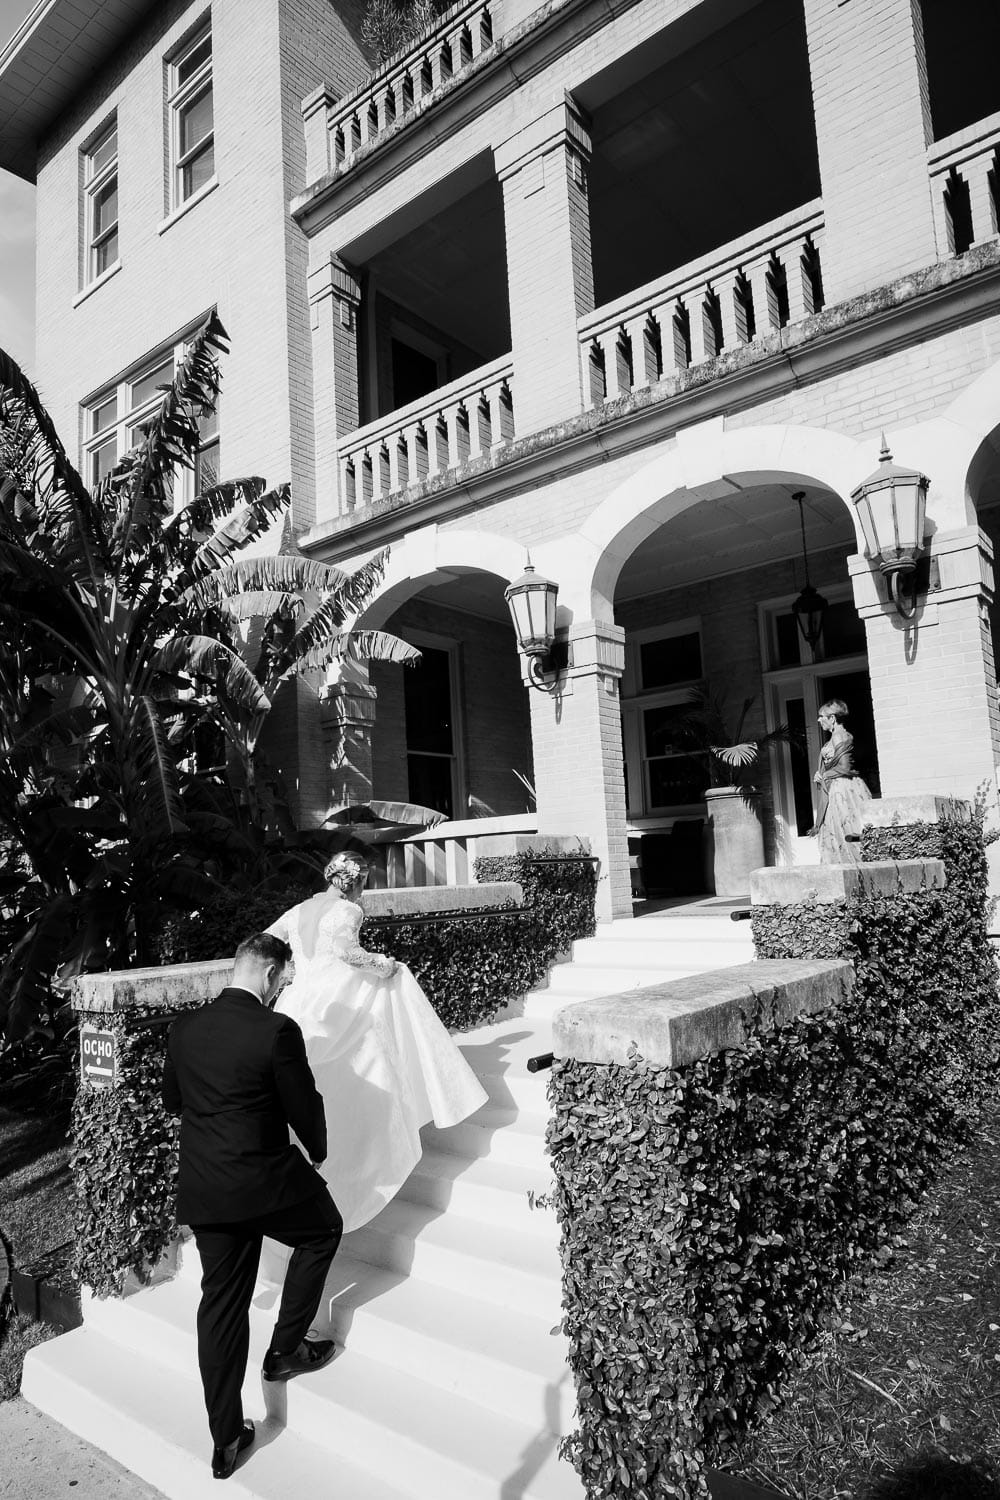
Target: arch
(427, 556)
(972, 422)
(706, 461)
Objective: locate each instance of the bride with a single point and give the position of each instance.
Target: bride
(382, 1060)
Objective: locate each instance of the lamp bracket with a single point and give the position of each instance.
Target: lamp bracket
(544, 668)
(906, 584)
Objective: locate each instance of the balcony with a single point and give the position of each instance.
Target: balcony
(400, 87)
(467, 419)
(964, 173)
(737, 295)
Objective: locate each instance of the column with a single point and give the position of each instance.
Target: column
(576, 737)
(348, 718)
(933, 678)
(543, 170)
(869, 83)
(334, 298)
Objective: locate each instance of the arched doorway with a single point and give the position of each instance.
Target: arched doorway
(705, 600)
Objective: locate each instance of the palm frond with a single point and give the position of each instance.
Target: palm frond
(280, 573)
(249, 522)
(741, 755)
(157, 770)
(25, 977)
(142, 482)
(359, 646)
(204, 656)
(184, 532)
(261, 604)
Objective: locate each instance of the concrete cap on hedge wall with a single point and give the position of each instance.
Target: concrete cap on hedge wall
(898, 812)
(542, 845)
(684, 1019)
(160, 988)
(817, 885)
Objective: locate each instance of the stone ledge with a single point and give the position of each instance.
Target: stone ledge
(441, 900)
(541, 845)
(686, 1019)
(928, 807)
(163, 988)
(818, 885)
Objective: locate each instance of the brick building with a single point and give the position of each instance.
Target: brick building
(609, 281)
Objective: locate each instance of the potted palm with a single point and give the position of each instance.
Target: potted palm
(732, 798)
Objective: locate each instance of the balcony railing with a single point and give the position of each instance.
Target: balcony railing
(464, 420)
(965, 187)
(738, 295)
(446, 855)
(397, 89)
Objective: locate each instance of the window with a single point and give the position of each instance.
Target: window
(430, 737)
(843, 634)
(113, 422)
(192, 143)
(100, 189)
(662, 666)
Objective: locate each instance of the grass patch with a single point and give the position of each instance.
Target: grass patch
(914, 1366)
(22, 1335)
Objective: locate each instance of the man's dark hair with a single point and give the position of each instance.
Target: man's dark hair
(265, 947)
(935, 1476)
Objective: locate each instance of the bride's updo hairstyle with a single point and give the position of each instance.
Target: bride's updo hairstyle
(835, 709)
(344, 870)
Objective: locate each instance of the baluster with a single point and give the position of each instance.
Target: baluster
(396, 462)
(348, 485)
(416, 452)
(479, 425)
(700, 333)
(355, 140)
(725, 290)
(408, 90)
(645, 366)
(617, 372)
(663, 335)
(977, 175)
(799, 294)
(508, 426)
(484, 30)
(765, 303)
(367, 477)
(437, 444)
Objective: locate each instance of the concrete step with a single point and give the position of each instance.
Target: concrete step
(494, 1192)
(487, 1262)
(388, 1432)
(613, 978)
(712, 952)
(500, 1129)
(152, 1419)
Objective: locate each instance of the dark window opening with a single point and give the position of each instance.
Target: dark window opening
(961, 44)
(414, 374)
(429, 730)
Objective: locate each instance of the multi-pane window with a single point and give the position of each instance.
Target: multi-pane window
(100, 188)
(661, 667)
(191, 118)
(113, 422)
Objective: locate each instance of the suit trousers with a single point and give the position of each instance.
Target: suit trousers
(230, 1257)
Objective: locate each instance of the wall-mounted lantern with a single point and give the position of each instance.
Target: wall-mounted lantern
(892, 506)
(531, 600)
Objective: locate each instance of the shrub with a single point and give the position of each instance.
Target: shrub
(712, 1213)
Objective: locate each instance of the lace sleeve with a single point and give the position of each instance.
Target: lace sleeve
(339, 937)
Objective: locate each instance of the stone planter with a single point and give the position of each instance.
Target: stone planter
(736, 838)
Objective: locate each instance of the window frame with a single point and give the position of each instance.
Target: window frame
(459, 790)
(179, 96)
(94, 181)
(128, 417)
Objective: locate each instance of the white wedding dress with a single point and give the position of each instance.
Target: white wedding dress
(382, 1060)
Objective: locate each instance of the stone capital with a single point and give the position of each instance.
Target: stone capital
(562, 125)
(824, 885)
(961, 568)
(333, 279)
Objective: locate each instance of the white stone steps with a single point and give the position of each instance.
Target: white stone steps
(612, 978)
(500, 1358)
(499, 1130)
(485, 1261)
(152, 1420)
(480, 1187)
(632, 952)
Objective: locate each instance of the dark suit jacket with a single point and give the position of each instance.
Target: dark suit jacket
(237, 1075)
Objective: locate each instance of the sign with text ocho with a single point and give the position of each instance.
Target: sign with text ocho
(98, 1056)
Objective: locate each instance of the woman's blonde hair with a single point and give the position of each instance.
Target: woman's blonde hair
(344, 869)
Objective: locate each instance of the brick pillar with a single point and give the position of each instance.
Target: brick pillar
(869, 83)
(550, 274)
(348, 716)
(933, 678)
(315, 114)
(576, 737)
(334, 298)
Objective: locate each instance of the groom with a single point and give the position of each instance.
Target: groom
(237, 1075)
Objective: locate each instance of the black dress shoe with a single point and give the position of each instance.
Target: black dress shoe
(224, 1459)
(312, 1354)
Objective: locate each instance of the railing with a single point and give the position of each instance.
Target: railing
(965, 187)
(738, 295)
(446, 855)
(457, 422)
(441, 53)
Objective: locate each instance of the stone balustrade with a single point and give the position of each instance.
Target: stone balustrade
(737, 295)
(401, 85)
(965, 187)
(464, 420)
(446, 855)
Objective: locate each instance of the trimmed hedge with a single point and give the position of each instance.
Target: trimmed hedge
(470, 965)
(711, 1214)
(124, 1160)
